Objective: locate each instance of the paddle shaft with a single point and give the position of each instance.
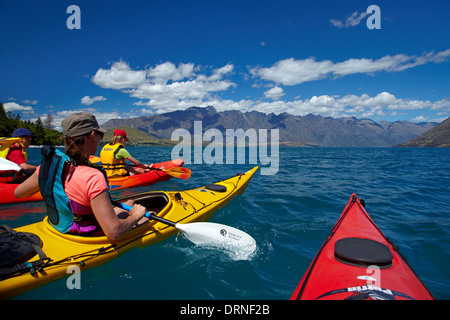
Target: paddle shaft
(159, 219)
(157, 169)
(97, 159)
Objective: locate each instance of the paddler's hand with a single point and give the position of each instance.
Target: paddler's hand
(138, 212)
(142, 166)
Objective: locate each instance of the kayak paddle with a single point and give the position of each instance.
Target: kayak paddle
(177, 172)
(7, 165)
(206, 233)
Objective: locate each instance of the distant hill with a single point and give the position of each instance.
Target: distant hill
(310, 130)
(136, 137)
(438, 136)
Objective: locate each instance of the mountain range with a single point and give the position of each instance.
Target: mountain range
(309, 130)
(438, 136)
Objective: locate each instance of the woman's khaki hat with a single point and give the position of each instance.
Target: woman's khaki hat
(79, 124)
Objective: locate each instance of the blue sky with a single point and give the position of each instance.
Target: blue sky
(136, 58)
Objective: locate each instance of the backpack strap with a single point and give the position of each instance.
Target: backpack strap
(51, 185)
(17, 248)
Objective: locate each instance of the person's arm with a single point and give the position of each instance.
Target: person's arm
(123, 153)
(113, 226)
(28, 187)
(16, 156)
(26, 166)
(137, 162)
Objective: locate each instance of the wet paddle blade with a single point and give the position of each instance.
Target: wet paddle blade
(178, 172)
(218, 235)
(209, 234)
(94, 159)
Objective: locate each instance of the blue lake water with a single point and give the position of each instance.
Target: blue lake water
(407, 194)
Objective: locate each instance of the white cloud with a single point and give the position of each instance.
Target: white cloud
(32, 102)
(419, 119)
(219, 73)
(363, 106)
(351, 21)
(168, 71)
(439, 57)
(292, 72)
(387, 63)
(101, 117)
(166, 86)
(360, 106)
(13, 106)
(274, 93)
(86, 100)
(120, 76)
(443, 105)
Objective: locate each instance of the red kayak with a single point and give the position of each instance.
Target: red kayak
(357, 262)
(140, 180)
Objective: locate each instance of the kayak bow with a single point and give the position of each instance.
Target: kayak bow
(357, 262)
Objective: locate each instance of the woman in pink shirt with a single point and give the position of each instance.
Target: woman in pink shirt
(86, 187)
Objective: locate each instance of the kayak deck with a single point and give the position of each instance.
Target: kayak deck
(65, 250)
(357, 261)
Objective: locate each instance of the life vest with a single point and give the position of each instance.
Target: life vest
(6, 144)
(51, 185)
(10, 176)
(65, 215)
(112, 166)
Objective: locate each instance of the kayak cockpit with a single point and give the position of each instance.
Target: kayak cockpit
(155, 202)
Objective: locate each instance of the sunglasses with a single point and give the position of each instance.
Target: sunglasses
(100, 134)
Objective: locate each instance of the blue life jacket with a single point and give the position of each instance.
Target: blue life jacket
(51, 185)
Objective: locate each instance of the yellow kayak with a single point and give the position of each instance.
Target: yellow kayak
(60, 251)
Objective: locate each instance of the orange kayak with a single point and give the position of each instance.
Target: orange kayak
(145, 179)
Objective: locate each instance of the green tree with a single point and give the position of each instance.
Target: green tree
(48, 122)
(43, 134)
(4, 132)
(38, 132)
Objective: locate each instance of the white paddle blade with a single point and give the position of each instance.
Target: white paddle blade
(8, 165)
(218, 235)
